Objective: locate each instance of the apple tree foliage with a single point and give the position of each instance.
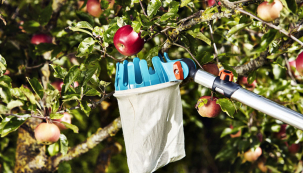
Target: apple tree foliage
(82, 51)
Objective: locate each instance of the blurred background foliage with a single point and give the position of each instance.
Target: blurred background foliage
(209, 146)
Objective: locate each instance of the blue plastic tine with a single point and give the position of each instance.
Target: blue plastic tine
(117, 75)
(159, 69)
(131, 75)
(160, 56)
(144, 72)
(138, 76)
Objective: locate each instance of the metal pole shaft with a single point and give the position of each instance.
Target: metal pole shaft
(255, 101)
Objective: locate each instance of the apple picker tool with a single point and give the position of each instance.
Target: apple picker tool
(151, 111)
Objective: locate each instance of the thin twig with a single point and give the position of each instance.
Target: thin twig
(289, 70)
(157, 34)
(238, 2)
(115, 59)
(90, 105)
(143, 8)
(271, 25)
(214, 44)
(191, 16)
(190, 54)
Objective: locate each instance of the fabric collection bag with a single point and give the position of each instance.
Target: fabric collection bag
(152, 124)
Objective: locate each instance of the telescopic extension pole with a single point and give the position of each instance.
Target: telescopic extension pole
(235, 91)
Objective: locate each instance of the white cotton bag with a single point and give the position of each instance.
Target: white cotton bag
(152, 124)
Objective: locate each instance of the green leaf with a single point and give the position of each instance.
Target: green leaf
(63, 143)
(110, 32)
(266, 39)
(202, 102)
(2, 65)
(86, 47)
(166, 16)
(237, 28)
(184, 3)
(13, 124)
(91, 92)
(88, 72)
(4, 122)
(86, 17)
(84, 107)
(104, 4)
(80, 30)
(70, 78)
(292, 5)
(70, 126)
(153, 7)
(228, 131)
(59, 72)
(200, 36)
(251, 77)
(28, 94)
(104, 84)
(136, 26)
(207, 57)
(227, 106)
(37, 87)
(174, 7)
(5, 93)
(14, 103)
(84, 25)
(3, 110)
(45, 14)
(275, 128)
(70, 97)
(53, 149)
(56, 116)
(64, 168)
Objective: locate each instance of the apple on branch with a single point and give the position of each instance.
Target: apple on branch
(212, 2)
(47, 133)
(211, 68)
(66, 118)
(207, 107)
(299, 63)
(269, 11)
(41, 38)
(94, 8)
(252, 155)
(127, 41)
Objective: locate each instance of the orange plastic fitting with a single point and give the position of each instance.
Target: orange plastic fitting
(226, 75)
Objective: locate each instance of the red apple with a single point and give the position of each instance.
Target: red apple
(299, 63)
(211, 109)
(211, 68)
(66, 118)
(41, 38)
(59, 83)
(294, 148)
(282, 133)
(47, 133)
(212, 2)
(243, 81)
(127, 41)
(94, 8)
(269, 11)
(238, 134)
(251, 155)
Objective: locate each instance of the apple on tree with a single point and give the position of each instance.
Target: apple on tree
(299, 63)
(127, 41)
(207, 107)
(41, 38)
(269, 11)
(94, 8)
(212, 2)
(211, 68)
(243, 81)
(238, 134)
(47, 133)
(66, 118)
(282, 132)
(253, 155)
(293, 148)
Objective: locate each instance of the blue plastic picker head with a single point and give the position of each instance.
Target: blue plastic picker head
(137, 74)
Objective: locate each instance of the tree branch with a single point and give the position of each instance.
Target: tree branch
(91, 142)
(187, 25)
(244, 69)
